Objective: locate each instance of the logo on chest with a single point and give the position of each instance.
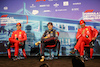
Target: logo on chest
(87, 31)
(15, 35)
(51, 33)
(20, 34)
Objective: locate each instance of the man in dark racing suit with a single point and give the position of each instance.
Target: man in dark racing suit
(49, 37)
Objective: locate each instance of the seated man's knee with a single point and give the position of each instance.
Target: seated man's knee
(9, 39)
(16, 44)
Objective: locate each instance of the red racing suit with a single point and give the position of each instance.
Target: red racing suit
(84, 37)
(19, 34)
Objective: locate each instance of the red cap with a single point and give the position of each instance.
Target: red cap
(81, 22)
(18, 24)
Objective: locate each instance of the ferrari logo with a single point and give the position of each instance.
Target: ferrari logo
(81, 21)
(86, 28)
(20, 32)
(15, 34)
(18, 23)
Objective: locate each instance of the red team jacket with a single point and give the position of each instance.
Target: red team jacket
(87, 31)
(20, 34)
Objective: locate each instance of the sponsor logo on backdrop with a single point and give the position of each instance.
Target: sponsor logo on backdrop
(75, 9)
(40, 0)
(60, 10)
(79, 3)
(47, 11)
(5, 20)
(91, 15)
(34, 12)
(66, 3)
(5, 8)
(52, 0)
(45, 5)
(56, 5)
(32, 6)
(98, 27)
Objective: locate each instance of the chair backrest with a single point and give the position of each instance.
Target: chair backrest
(58, 33)
(86, 45)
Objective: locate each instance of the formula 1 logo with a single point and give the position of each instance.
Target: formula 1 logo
(91, 15)
(3, 16)
(40, 0)
(89, 11)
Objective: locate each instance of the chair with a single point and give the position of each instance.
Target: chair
(88, 51)
(52, 46)
(19, 55)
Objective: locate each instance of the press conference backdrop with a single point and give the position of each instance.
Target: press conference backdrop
(35, 14)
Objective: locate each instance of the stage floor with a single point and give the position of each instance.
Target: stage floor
(34, 62)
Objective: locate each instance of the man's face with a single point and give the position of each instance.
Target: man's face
(50, 27)
(82, 25)
(18, 27)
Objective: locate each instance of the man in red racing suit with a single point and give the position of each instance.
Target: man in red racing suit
(85, 35)
(17, 39)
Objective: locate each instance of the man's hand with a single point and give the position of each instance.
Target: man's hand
(83, 31)
(19, 40)
(93, 38)
(37, 43)
(48, 36)
(92, 43)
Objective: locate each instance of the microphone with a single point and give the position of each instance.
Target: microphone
(16, 38)
(87, 36)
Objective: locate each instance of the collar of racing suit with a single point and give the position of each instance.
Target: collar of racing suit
(19, 30)
(51, 30)
(84, 27)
